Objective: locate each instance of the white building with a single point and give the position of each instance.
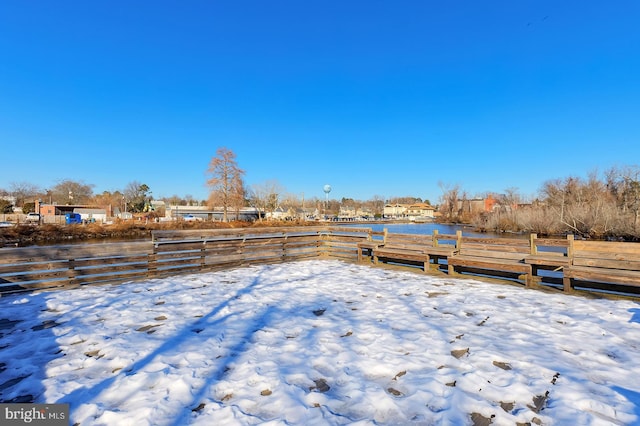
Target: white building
(395, 210)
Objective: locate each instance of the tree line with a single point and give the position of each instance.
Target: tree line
(227, 190)
(600, 207)
(135, 197)
(606, 206)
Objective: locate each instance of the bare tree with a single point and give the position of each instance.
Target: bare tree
(405, 200)
(624, 186)
(449, 201)
(226, 183)
(69, 191)
(137, 196)
(584, 207)
(175, 200)
(537, 219)
(266, 197)
(23, 191)
(292, 204)
(114, 199)
(512, 198)
(190, 200)
(377, 205)
(291, 201)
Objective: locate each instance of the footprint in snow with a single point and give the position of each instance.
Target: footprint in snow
(320, 386)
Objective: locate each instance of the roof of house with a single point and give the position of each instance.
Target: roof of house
(90, 211)
(423, 206)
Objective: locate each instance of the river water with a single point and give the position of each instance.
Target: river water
(397, 228)
(428, 228)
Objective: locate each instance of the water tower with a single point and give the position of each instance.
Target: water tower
(327, 190)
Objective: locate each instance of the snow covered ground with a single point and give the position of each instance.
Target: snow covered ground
(322, 342)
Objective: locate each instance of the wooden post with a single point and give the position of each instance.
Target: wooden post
(566, 281)
(532, 243)
(434, 242)
(385, 232)
(450, 268)
(323, 244)
(152, 264)
(284, 248)
(72, 272)
(203, 253)
(570, 238)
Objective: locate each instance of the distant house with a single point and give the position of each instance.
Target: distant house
(478, 205)
(350, 212)
(420, 210)
(54, 213)
(396, 210)
(158, 205)
(174, 211)
(92, 215)
(278, 214)
(122, 214)
(310, 213)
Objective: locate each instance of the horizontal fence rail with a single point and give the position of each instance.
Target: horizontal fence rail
(557, 262)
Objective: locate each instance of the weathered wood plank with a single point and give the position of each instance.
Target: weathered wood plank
(109, 279)
(607, 247)
(603, 261)
(110, 270)
(411, 248)
(119, 260)
(609, 262)
(38, 266)
(39, 276)
(45, 253)
(606, 275)
(548, 259)
(493, 254)
(486, 247)
(490, 263)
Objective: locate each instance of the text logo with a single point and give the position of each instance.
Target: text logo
(34, 414)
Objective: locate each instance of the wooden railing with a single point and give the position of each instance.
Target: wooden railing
(170, 253)
(32, 268)
(178, 252)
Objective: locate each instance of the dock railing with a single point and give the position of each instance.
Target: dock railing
(615, 267)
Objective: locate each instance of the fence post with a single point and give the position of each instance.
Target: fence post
(570, 238)
(284, 247)
(203, 253)
(71, 272)
(152, 268)
(434, 241)
(532, 243)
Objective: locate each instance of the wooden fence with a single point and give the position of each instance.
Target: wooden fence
(562, 263)
(170, 253)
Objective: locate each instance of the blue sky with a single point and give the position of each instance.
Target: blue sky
(387, 98)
